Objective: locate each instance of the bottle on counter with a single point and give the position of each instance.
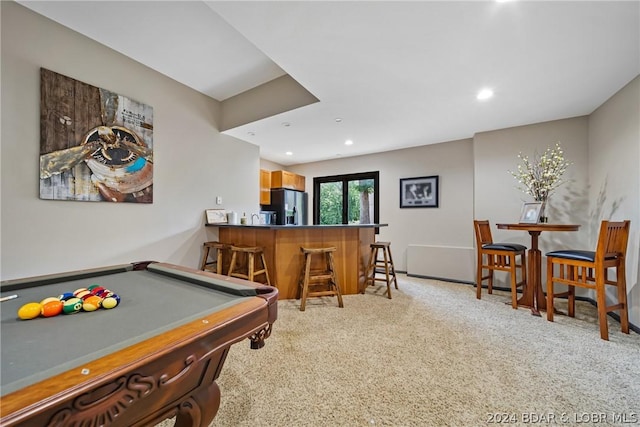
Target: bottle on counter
(243, 220)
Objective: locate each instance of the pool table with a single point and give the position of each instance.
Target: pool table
(154, 356)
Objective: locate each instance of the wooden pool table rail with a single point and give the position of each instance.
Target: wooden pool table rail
(172, 374)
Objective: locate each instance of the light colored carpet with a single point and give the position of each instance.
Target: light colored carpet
(431, 356)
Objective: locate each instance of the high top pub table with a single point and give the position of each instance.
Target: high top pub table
(532, 294)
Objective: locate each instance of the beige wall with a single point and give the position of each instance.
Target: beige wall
(614, 175)
(448, 225)
(495, 190)
(193, 161)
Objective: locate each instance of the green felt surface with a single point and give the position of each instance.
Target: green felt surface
(152, 302)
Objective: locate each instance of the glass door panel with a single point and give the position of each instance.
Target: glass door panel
(360, 201)
(331, 202)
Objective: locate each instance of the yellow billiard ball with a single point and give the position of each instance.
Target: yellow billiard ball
(30, 310)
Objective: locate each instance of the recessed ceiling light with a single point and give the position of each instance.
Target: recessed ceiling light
(338, 119)
(289, 153)
(348, 142)
(286, 124)
(484, 94)
(251, 133)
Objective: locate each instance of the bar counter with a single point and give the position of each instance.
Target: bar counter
(282, 244)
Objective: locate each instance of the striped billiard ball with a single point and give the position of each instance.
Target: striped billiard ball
(91, 303)
(72, 305)
(111, 301)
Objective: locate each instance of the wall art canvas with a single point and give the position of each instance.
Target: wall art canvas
(95, 145)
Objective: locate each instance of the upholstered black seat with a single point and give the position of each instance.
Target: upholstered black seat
(498, 256)
(589, 256)
(505, 247)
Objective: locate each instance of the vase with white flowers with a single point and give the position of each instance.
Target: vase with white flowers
(540, 175)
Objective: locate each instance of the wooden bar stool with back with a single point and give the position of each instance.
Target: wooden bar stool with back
(498, 256)
(589, 269)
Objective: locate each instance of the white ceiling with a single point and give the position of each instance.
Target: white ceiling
(398, 74)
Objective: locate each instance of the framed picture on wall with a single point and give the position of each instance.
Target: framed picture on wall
(216, 216)
(530, 213)
(421, 192)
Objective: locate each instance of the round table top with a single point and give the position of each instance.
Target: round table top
(539, 227)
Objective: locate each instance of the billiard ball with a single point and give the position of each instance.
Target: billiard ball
(96, 290)
(72, 305)
(91, 303)
(111, 301)
(30, 310)
(46, 300)
(80, 294)
(65, 296)
(92, 287)
(52, 308)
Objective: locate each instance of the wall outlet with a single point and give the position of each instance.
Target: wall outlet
(218, 200)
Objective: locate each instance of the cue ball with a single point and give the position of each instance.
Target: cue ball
(91, 303)
(51, 308)
(72, 305)
(30, 310)
(111, 302)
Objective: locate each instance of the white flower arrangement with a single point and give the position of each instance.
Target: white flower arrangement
(541, 175)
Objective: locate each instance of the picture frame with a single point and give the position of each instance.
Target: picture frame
(530, 213)
(216, 216)
(420, 192)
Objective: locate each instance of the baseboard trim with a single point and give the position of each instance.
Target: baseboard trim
(591, 301)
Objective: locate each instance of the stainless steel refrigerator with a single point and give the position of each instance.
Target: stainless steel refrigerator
(290, 206)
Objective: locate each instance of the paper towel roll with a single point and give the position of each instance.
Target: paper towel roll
(232, 217)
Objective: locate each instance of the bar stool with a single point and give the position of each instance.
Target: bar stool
(381, 266)
(215, 265)
(324, 277)
(249, 270)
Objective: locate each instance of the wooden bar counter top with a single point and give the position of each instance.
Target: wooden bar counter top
(282, 244)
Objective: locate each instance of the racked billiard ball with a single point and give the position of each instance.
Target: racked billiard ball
(46, 300)
(30, 310)
(65, 296)
(111, 301)
(80, 294)
(72, 305)
(52, 308)
(97, 289)
(91, 303)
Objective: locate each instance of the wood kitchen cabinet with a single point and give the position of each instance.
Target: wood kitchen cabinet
(284, 179)
(265, 187)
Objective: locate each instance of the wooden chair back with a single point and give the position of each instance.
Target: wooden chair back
(483, 232)
(612, 241)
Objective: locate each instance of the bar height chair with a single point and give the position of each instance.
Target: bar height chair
(498, 256)
(588, 269)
